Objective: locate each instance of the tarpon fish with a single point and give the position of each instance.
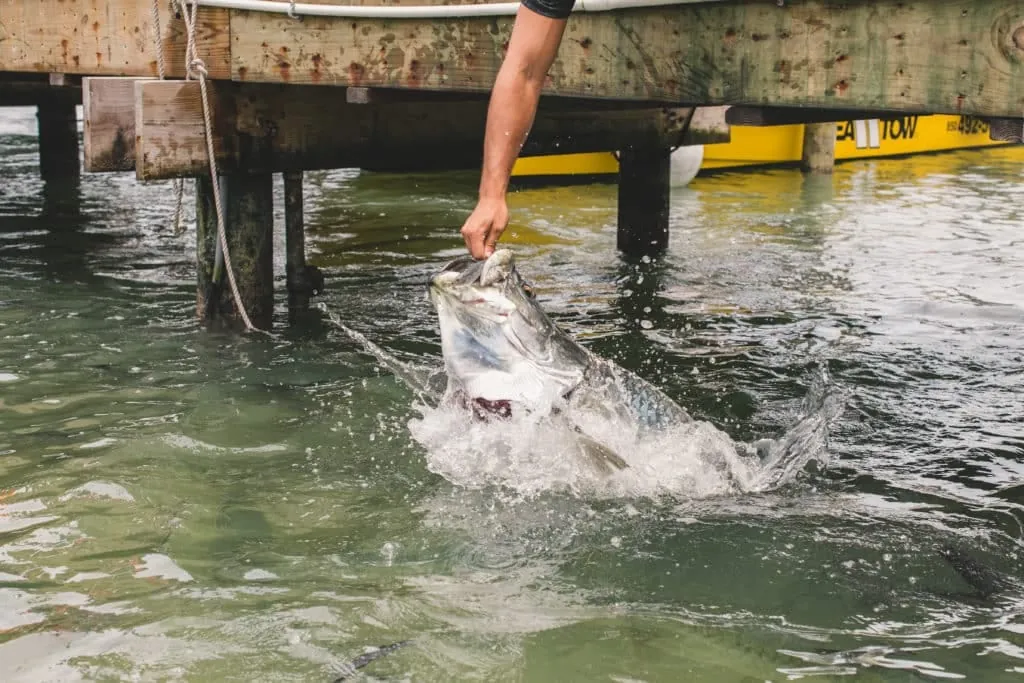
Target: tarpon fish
(986, 581)
(503, 354)
(346, 670)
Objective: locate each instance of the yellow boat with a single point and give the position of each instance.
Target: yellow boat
(778, 145)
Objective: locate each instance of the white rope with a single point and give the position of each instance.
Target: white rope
(158, 40)
(177, 183)
(196, 67)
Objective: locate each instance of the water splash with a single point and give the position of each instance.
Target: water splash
(532, 453)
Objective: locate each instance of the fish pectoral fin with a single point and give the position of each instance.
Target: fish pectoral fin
(605, 458)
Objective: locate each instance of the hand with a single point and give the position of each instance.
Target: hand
(484, 226)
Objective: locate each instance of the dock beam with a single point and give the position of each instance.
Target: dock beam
(644, 189)
(249, 225)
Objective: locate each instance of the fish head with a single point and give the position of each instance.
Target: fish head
(498, 343)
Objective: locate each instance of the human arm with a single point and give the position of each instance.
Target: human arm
(531, 50)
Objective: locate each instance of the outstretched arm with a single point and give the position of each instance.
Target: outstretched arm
(531, 50)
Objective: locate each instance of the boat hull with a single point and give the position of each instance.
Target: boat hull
(757, 146)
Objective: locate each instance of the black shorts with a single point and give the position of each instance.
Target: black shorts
(554, 9)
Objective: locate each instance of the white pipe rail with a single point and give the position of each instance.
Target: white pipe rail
(422, 11)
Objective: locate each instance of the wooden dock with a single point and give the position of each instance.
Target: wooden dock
(289, 94)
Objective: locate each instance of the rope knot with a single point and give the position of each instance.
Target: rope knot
(198, 67)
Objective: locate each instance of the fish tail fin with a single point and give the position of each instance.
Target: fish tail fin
(604, 458)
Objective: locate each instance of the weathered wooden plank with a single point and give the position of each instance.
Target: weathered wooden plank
(708, 126)
(108, 123)
(170, 131)
(274, 128)
(953, 56)
(106, 37)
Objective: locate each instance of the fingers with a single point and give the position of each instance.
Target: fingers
(473, 236)
(483, 228)
(491, 241)
(496, 226)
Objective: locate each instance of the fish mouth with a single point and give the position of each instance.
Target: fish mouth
(470, 283)
(467, 271)
(463, 271)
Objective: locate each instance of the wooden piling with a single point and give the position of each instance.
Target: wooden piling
(294, 235)
(644, 189)
(249, 224)
(58, 140)
(302, 280)
(819, 148)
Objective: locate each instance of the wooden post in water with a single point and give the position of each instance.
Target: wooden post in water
(294, 243)
(58, 139)
(819, 150)
(249, 225)
(302, 280)
(644, 188)
(211, 299)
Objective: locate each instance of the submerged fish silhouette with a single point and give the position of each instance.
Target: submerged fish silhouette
(346, 670)
(986, 582)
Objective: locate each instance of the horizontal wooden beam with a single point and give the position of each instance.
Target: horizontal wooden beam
(264, 128)
(938, 56)
(22, 95)
(949, 56)
(107, 37)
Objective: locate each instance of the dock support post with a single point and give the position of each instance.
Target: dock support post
(58, 140)
(302, 280)
(819, 150)
(249, 224)
(644, 188)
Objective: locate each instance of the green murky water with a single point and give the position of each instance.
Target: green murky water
(177, 505)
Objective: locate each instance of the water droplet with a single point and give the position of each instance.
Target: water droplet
(388, 550)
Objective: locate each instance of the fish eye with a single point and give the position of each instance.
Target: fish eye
(528, 290)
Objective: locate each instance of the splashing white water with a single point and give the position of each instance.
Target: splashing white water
(532, 454)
